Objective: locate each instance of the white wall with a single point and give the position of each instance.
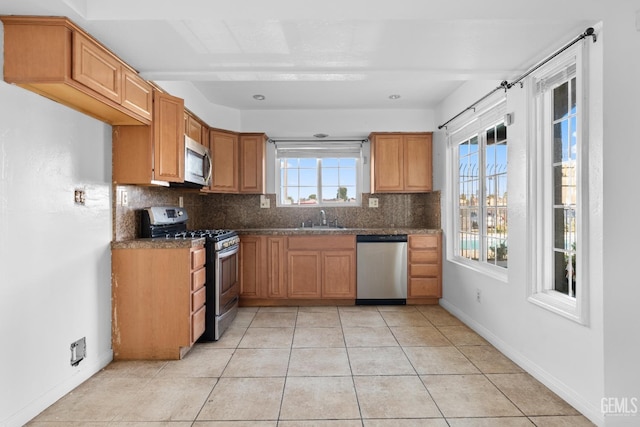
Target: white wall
(216, 116)
(55, 263)
(621, 204)
(583, 364)
(336, 123)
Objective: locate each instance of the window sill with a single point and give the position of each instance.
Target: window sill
(497, 273)
(558, 303)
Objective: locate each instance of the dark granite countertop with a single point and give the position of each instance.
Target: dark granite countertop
(157, 243)
(331, 231)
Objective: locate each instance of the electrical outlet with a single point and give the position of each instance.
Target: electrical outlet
(78, 351)
(124, 198)
(478, 295)
(181, 201)
(373, 202)
(265, 202)
(79, 197)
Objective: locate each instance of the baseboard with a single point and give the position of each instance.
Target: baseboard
(41, 403)
(568, 394)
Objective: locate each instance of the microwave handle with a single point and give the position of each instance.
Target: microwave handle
(210, 174)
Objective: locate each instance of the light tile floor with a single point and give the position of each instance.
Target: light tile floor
(357, 366)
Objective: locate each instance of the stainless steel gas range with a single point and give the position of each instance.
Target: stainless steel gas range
(222, 286)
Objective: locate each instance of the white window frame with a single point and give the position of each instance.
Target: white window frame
(540, 195)
(487, 114)
(327, 150)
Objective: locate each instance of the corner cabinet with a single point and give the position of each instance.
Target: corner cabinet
(158, 309)
(238, 162)
(57, 59)
(401, 162)
(425, 268)
(152, 154)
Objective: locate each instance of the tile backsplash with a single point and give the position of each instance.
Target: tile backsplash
(243, 211)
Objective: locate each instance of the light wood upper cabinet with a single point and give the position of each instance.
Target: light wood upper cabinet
(146, 154)
(194, 129)
(57, 59)
(168, 137)
(224, 156)
(252, 163)
(401, 162)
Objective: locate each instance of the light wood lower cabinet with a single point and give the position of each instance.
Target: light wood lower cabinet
(321, 267)
(158, 296)
(425, 268)
(262, 267)
(279, 270)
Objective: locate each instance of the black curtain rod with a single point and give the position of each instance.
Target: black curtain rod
(589, 32)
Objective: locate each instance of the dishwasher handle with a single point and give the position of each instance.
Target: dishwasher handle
(380, 238)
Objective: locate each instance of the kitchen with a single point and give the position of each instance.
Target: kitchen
(46, 305)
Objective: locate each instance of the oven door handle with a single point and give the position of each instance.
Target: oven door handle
(227, 252)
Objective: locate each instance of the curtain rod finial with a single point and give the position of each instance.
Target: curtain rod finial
(590, 32)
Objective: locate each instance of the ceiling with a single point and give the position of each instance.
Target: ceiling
(329, 54)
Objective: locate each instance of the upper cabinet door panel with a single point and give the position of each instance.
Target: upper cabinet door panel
(137, 94)
(96, 68)
(252, 163)
(168, 137)
(388, 157)
(417, 163)
(224, 154)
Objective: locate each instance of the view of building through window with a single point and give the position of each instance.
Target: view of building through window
(317, 181)
(564, 187)
(482, 206)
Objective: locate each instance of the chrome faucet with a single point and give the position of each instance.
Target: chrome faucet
(323, 217)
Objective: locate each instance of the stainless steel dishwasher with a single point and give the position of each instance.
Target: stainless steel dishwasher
(382, 269)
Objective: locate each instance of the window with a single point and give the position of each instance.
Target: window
(479, 153)
(318, 176)
(557, 194)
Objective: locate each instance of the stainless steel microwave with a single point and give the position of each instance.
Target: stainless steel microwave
(197, 163)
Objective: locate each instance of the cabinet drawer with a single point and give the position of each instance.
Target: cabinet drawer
(311, 243)
(424, 287)
(424, 242)
(423, 270)
(198, 278)
(423, 257)
(198, 258)
(197, 324)
(198, 298)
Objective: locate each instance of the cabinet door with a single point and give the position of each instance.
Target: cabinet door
(193, 128)
(96, 68)
(387, 167)
(252, 162)
(137, 94)
(224, 154)
(276, 285)
(338, 274)
(417, 163)
(168, 137)
(251, 266)
(304, 270)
